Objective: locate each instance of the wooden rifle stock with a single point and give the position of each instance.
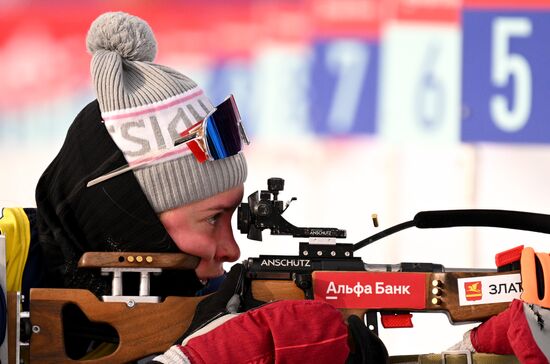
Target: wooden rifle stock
(144, 329)
(148, 328)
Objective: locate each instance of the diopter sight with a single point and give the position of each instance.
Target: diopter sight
(264, 210)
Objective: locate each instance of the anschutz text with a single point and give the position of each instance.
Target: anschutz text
(306, 263)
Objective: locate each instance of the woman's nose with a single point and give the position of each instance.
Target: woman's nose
(227, 249)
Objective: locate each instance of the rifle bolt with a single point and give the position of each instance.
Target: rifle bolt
(437, 291)
(436, 301)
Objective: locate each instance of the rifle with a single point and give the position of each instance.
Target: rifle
(328, 271)
(323, 269)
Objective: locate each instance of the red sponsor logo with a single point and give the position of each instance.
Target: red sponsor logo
(473, 291)
(371, 290)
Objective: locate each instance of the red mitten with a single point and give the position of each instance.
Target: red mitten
(280, 332)
(490, 336)
(509, 333)
(522, 329)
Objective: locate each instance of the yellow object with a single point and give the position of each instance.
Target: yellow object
(15, 226)
(529, 277)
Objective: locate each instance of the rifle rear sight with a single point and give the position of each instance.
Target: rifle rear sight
(264, 211)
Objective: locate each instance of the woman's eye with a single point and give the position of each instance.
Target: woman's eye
(212, 219)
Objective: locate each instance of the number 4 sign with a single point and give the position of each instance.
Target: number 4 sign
(506, 76)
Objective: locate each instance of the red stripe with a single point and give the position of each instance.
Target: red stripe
(197, 151)
(507, 4)
(425, 11)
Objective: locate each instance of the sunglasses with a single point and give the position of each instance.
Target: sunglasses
(219, 135)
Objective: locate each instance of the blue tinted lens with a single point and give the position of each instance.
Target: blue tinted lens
(222, 131)
(215, 142)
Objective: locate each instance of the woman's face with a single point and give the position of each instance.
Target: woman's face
(203, 228)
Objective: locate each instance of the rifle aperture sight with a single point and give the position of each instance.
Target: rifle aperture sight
(263, 211)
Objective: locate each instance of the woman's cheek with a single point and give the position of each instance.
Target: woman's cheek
(198, 245)
(197, 250)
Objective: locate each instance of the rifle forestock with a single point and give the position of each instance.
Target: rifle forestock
(464, 296)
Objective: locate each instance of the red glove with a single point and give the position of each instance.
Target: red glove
(279, 332)
(510, 333)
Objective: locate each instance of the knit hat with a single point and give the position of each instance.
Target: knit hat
(145, 106)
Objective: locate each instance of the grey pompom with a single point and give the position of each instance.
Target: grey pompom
(123, 33)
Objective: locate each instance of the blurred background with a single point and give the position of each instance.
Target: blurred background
(362, 106)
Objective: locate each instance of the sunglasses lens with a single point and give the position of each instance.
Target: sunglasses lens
(222, 131)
